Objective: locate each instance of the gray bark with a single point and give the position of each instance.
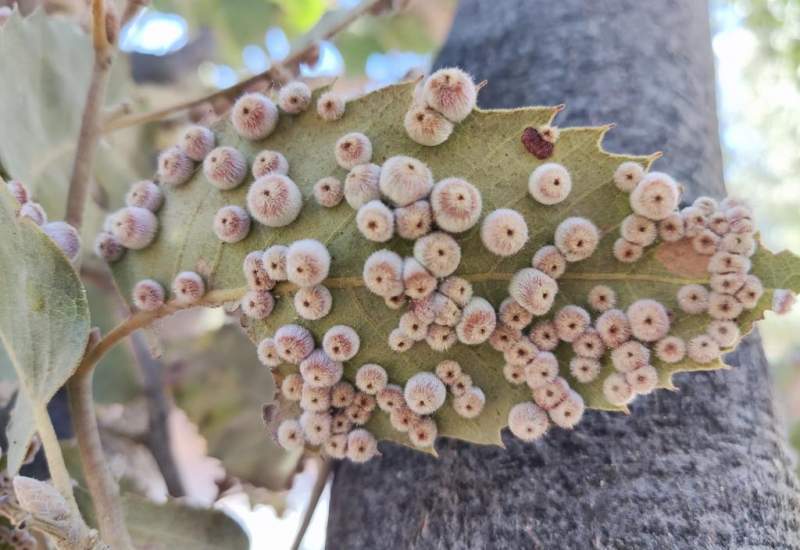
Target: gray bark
(705, 467)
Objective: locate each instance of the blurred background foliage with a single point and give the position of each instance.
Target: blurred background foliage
(214, 386)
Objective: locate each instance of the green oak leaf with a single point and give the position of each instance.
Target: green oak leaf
(484, 149)
(44, 319)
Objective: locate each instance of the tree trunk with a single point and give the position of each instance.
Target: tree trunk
(700, 468)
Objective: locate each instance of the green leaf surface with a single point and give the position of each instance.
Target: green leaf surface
(44, 318)
(221, 386)
(486, 150)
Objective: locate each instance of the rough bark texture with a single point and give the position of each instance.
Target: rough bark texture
(705, 467)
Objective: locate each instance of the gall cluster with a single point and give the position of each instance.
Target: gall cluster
(440, 101)
(63, 234)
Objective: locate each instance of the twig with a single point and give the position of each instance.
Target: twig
(316, 493)
(271, 74)
(132, 8)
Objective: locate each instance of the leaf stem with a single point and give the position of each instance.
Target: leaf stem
(52, 452)
(316, 493)
(273, 74)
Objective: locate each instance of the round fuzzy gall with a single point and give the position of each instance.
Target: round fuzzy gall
(569, 412)
(174, 167)
(737, 243)
(405, 180)
(718, 223)
(290, 435)
(316, 427)
(457, 289)
(414, 221)
(426, 126)
(627, 252)
(274, 260)
(725, 262)
(422, 432)
(751, 292)
(258, 304)
(533, 290)
(706, 204)
(628, 175)
(294, 97)
(638, 230)
(390, 397)
(399, 341)
(268, 353)
(356, 415)
(783, 301)
(703, 349)
(461, 384)
(313, 302)
(307, 262)
(383, 273)
(274, 200)
(589, 344)
(402, 417)
(446, 312)
(584, 369)
(544, 335)
(364, 401)
(478, 321)
(727, 283)
(225, 168)
(456, 205)
(705, 242)
(504, 232)
(542, 370)
(670, 349)
(418, 282)
(514, 315)
(148, 295)
(514, 374)
(520, 352)
(188, 287)
(145, 194)
(292, 387)
(371, 378)
(655, 197)
(694, 220)
(440, 338)
(328, 192)
(693, 299)
(448, 371)
(353, 149)
(723, 306)
(254, 116)
(254, 272)
(342, 395)
(336, 446)
(470, 404)
(549, 260)
(341, 423)
(439, 253)
(197, 142)
(320, 371)
(269, 162)
(527, 421)
(375, 221)
(134, 227)
(630, 356)
(649, 320)
(550, 183)
(726, 333)
(614, 328)
(34, 212)
(577, 238)
(602, 298)
(341, 343)
(231, 224)
(361, 446)
(315, 399)
(616, 389)
(570, 322)
(424, 393)
(671, 229)
(330, 106)
(451, 92)
(18, 189)
(643, 380)
(361, 185)
(107, 247)
(294, 343)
